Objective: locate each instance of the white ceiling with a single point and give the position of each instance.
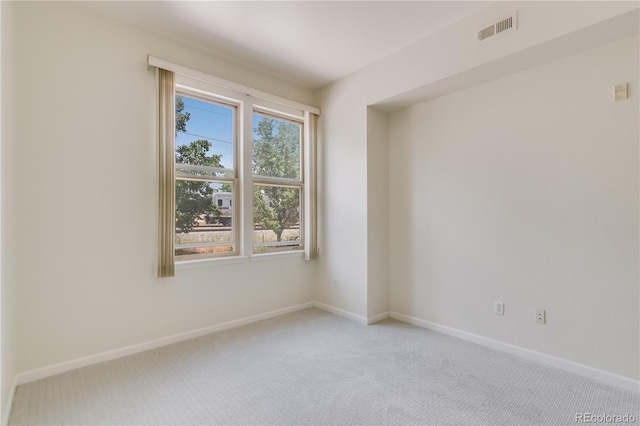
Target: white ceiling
(310, 43)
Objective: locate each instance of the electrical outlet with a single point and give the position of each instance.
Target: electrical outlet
(334, 284)
(498, 308)
(620, 91)
(541, 316)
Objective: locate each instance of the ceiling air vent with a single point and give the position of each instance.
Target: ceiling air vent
(506, 24)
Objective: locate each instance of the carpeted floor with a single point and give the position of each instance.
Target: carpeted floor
(312, 367)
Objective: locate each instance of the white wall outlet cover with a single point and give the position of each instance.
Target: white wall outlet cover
(621, 91)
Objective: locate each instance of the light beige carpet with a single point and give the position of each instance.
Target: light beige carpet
(312, 367)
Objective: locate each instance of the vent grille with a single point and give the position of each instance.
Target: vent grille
(505, 24)
(486, 32)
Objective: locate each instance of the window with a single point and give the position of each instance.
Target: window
(277, 183)
(242, 172)
(206, 176)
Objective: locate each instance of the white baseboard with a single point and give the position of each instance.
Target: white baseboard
(9, 402)
(351, 315)
(376, 318)
(564, 364)
(51, 370)
(341, 312)
(553, 361)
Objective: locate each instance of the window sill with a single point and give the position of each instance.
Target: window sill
(278, 255)
(204, 263)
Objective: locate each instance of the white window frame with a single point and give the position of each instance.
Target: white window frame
(299, 184)
(187, 92)
(200, 86)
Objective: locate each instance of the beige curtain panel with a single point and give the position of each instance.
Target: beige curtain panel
(311, 243)
(166, 172)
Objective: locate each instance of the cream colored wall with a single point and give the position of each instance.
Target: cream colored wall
(86, 195)
(378, 207)
(446, 62)
(342, 198)
(86, 97)
(451, 58)
(525, 190)
(8, 170)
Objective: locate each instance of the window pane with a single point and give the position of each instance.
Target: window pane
(204, 217)
(276, 147)
(276, 215)
(204, 133)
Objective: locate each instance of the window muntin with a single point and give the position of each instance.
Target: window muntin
(205, 169)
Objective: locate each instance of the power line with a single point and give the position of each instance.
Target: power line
(208, 110)
(207, 138)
